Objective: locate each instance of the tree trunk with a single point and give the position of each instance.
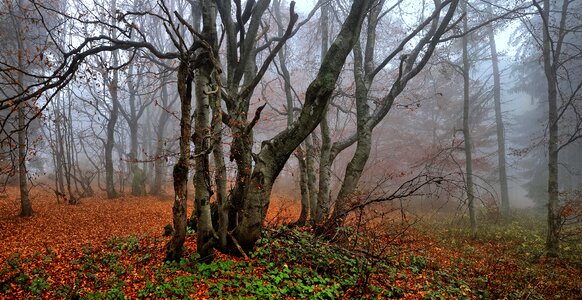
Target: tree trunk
(499, 124)
(311, 178)
(113, 87)
(138, 179)
(363, 67)
(550, 61)
(303, 186)
(300, 152)
(276, 151)
(25, 204)
(159, 174)
(110, 142)
(356, 165)
(202, 190)
(206, 93)
(206, 235)
(181, 168)
(325, 159)
(466, 126)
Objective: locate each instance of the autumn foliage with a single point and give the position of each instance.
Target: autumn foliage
(114, 249)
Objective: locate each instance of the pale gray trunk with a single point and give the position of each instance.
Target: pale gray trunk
(311, 178)
(499, 124)
(466, 125)
(206, 236)
(303, 186)
(69, 155)
(219, 167)
(202, 190)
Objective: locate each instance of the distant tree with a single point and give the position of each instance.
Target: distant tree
(23, 50)
(466, 120)
(502, 165)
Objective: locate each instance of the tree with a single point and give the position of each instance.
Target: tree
(554, 47)
(466, 128)
(25, 43)
(410, 64)
(499, 121)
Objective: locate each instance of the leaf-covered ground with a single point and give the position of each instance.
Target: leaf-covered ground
(114, 249)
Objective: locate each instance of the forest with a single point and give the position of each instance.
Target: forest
(273, 149)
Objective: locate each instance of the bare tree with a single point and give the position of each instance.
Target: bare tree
(466, 124)
(557, 55)
(501, 156)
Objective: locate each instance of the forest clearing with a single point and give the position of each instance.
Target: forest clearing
(114, 249)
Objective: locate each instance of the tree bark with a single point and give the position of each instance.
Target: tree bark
(311, 178)
(181, 168)
(25, 204)
(303, 186)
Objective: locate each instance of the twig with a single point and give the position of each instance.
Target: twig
(240, 249)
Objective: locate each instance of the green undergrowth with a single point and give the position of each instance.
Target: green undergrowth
(287, 263)
(507, 258)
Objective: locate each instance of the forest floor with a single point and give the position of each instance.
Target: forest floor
(114, 249)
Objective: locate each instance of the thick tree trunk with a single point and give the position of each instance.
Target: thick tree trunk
(206, 236)
(202, 191)
(181, 168)
(466, 126)
(207, 94)
(220, 178)
(275, 152)
(499, 124)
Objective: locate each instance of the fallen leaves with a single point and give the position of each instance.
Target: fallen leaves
(106, 248)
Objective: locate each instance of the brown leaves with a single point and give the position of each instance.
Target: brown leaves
(62, 226)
